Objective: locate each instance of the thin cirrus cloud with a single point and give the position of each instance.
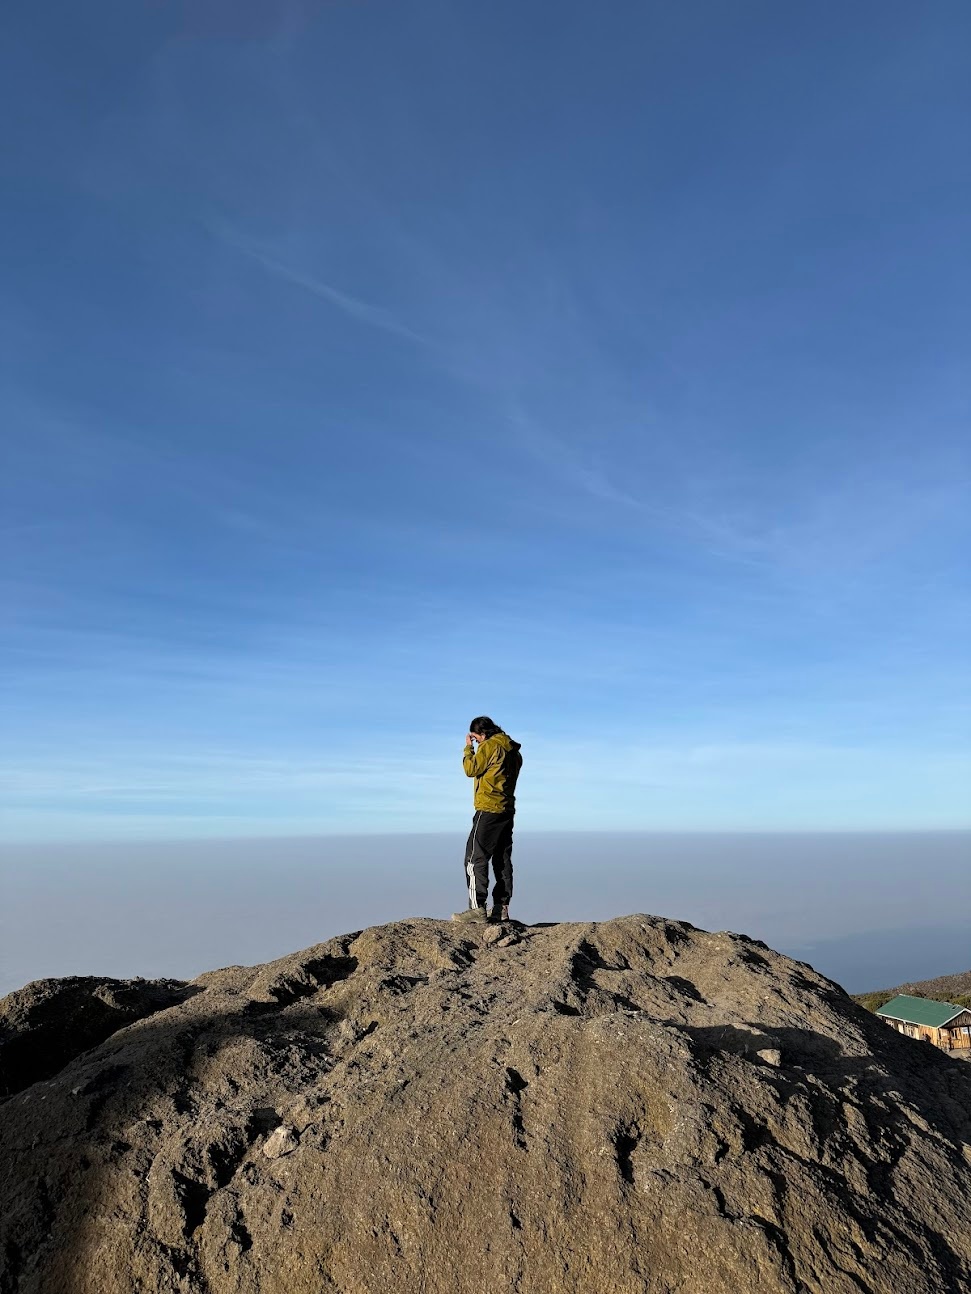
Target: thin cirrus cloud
(182, 795)
(847, 522)
(362, 311)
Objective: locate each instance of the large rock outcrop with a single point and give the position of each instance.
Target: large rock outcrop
(48, 1023)
(628, 1106)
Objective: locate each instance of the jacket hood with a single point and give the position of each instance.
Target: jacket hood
(503, 739)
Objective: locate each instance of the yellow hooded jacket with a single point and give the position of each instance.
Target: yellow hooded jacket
(495, 767)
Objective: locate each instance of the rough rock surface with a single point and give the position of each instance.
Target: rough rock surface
(51, 1021)
(628, 1106)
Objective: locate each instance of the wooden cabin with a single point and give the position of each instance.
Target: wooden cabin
(945, 1025)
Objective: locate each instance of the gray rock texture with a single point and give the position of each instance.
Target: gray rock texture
(628, 1106)
(51, 1021)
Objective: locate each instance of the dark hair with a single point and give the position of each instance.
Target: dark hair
(484, 727)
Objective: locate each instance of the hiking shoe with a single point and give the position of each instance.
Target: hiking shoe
(499, 913)
(470, 914)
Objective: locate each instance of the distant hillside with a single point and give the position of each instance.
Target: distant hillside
(946, 988)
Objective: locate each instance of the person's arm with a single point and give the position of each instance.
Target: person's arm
(476, 761)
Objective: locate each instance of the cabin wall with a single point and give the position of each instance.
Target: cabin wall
(900, 1026)
(958, 1032)
(955, 1037)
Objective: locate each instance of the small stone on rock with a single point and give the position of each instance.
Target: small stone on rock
(281, 1142)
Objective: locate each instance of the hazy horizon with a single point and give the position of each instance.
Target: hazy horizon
(868, 909)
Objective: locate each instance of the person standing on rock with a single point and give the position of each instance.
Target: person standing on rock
(495, 766)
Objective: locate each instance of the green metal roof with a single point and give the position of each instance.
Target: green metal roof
(920, 1010)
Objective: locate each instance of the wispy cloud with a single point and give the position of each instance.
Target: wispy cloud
(362, 311)
(585, 783)
(844, 525)
(567, 462)
(585, 471)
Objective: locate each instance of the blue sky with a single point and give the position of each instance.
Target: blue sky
(368, 366)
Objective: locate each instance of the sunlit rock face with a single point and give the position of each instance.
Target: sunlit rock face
(633, 1106)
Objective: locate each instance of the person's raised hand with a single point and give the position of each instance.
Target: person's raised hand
(470, 739)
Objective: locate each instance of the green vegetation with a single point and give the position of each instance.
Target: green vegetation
(874, 1001)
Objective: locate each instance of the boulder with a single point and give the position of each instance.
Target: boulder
(625, 1106)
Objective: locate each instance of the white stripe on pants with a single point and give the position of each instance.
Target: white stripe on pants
(469, 863)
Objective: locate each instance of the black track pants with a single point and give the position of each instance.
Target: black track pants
(490, 838)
